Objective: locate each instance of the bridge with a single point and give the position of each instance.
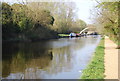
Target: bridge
(89, 30)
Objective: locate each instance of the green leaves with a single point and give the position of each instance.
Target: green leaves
(109, 19)
(6, 13)
(19, 22)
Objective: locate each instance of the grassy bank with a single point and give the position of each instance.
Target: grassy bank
(63, 35)
(95, 70)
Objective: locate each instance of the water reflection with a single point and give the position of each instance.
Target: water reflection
(60, 58)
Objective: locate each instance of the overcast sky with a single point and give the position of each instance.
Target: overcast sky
(84, 10)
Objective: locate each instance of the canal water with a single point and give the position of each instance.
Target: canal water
(63, 58)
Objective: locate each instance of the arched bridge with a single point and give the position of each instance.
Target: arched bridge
(89, 30)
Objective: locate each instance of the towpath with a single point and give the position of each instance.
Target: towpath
(111, 59)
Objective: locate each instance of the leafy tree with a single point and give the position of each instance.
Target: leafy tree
(9, 29)
(107, 18)
(63, 13)
(34, 20)
(19, 22)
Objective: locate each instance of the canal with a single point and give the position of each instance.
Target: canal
(63, 58)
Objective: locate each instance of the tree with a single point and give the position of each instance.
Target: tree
(19, 22)
(63, 13)
(8, 27)
(107, 18)
(78, 25)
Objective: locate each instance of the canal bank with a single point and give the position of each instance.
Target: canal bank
(95, 69)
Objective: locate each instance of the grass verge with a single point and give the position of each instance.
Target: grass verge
(95, 70)
(63, 35)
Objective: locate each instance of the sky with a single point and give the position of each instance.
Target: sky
(83, 8)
